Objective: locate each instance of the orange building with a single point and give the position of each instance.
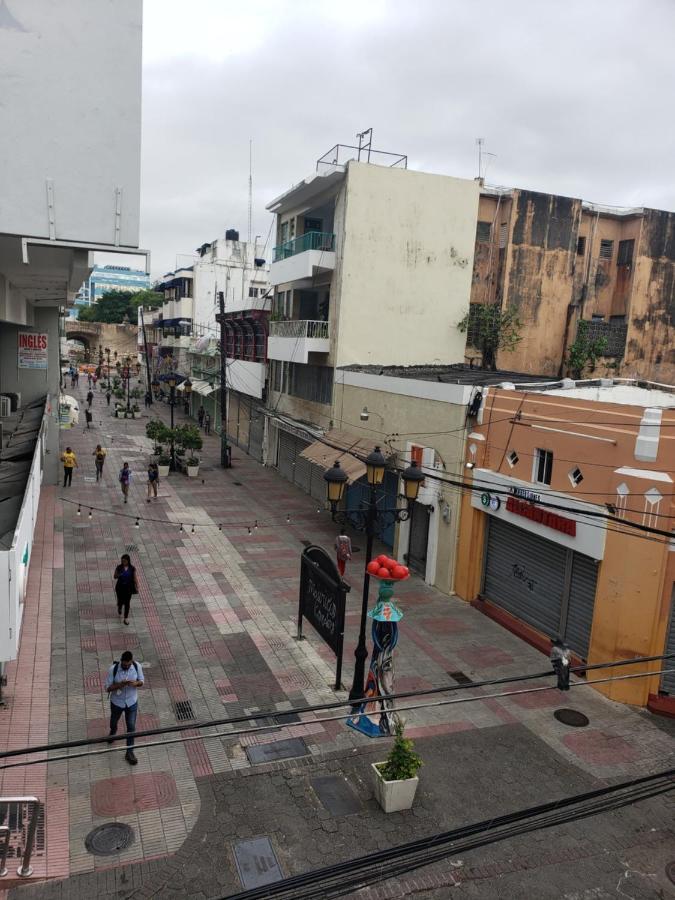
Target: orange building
(545, 544)
(559, 260)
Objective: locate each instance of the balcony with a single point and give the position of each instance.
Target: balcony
(303, 257)
(294, 340)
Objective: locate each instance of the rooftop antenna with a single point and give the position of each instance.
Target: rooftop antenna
(365, 142)
(479, 144)
(250, 190)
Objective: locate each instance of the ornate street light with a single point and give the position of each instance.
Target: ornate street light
(171, 381)
(187, 387)
(367, 520)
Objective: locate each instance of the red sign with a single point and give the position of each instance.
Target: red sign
(542, 516)
(33, 341)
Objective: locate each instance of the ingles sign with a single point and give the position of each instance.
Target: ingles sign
(32, 350)
(541, 516)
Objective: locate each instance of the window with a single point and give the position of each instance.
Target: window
(313, 383)
(276, 376)
(625, 254)
(313, 225)
(596, 317)
(606, 249)
(283, 233)
(416, 454)
(575, 476)
(253, 292)
(581, 246)
(513, 458)
(543, 466)
(503, 234)
(484, 232)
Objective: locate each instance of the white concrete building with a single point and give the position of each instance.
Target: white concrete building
(372, 267)
(69, 185)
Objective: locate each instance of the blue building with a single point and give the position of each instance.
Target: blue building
(109, 278)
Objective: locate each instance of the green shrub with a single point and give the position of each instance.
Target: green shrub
(402, 762)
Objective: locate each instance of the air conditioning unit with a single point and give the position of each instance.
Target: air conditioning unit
(5, 407)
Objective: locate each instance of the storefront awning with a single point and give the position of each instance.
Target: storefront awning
(343, 447)
(203, 388)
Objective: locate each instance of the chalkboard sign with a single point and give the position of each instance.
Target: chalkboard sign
(322, 601)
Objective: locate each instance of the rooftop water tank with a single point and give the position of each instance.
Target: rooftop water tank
(231, 234)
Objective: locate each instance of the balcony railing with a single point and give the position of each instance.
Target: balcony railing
(299, 328)
(313, 240)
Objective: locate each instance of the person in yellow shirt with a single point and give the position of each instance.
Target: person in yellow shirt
(69, 461)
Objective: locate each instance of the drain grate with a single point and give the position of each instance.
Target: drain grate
(238, 483)
(571, 717)
(460, 677)
(131, 548)
(109, 839)
(184, 710)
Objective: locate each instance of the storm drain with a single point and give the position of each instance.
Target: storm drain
(184, 710)
(460, 677)
(131, 548)
(257, 863)
(571, 717)
(109, 839)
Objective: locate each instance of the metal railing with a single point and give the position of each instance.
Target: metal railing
(25, 869)
(300, 328)
(313, 240)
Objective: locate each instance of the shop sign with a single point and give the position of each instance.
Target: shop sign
(541, 516)
(32, 350)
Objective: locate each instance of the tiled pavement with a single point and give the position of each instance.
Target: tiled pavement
(214, 625)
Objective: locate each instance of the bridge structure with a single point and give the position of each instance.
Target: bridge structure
(98, 337)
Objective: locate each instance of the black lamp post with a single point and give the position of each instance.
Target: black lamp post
(126, 373)
(368, 520)
(171, 381)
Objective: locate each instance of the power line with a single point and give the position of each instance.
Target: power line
(333, 705)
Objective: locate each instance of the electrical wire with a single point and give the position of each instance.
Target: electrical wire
(276, 714)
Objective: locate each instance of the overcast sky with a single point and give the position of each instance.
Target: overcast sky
(572, 97)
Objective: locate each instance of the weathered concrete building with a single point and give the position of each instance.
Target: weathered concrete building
(559, 260)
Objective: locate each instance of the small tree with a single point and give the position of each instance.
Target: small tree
(188, 437)
(489, 329)
(585, 350)
(158, 433)
(402, 762)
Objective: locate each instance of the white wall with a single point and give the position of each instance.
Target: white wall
(71, 114)
(405, 250)
(222, 269)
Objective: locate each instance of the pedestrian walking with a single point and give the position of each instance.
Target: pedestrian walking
(88, 379)
(125, 586)
(69, 461)
(99, 458)
(148, 398)
(88, 416)
(77, 379)
(107, 397)
(153, 479)
(122, 683)
(207, 424)
(200, 415)
(90, 398)
(343, 551)
(125, 480)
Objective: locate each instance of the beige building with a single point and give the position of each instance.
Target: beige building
(372, 267)
(559, 260)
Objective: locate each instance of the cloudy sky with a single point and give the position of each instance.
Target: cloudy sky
(572, 96)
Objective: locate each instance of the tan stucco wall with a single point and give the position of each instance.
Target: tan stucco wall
(407, 261)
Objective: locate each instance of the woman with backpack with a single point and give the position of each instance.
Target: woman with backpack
(99, 459)
(125, 586)
(153, 479)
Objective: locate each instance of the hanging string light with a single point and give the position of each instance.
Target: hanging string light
(288, 520)
(248, 528)
(137, 524)
(220, 527)
(79, 510)
(181, 527)
(193, 530)
(90, 514)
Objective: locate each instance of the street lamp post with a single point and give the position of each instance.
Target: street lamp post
(187, 393)
(126, 373)
(367, 520)
(171, 381)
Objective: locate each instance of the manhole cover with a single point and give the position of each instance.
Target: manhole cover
(336, 795)
(257, 863)
(109, 839)
(571, 717)
(287, 749)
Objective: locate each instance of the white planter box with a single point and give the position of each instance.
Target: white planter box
(394, 796)
(163, 471)
(192, 471)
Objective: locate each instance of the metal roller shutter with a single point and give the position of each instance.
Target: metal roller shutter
(286, 455)
(303, 467)
(668, 681)
(525, 574)
(233, 417)
(244, 422)
(318, 485)
(256, 433)
(577, 630)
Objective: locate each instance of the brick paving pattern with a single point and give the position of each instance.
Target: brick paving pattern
(214, 624)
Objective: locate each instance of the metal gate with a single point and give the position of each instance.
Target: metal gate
(419, 537)
(286, 455)
(668, 681)
(545, 585)
(256, 433)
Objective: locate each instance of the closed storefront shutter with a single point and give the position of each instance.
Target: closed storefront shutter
(318, 485)
(233, 417)
(244, 422)
(256, 432)
(419, 537)
(668, 680)
(303, 467)
(577, 631)
(286, 455)
(525, 574)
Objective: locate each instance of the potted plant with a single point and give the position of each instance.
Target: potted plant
(396, 778)
(163, 464)
(192, 466)
(188, 437)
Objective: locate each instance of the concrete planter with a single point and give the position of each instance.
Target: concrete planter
(163, 471)
(394, 796)
(192, 471)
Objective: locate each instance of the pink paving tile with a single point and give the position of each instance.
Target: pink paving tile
(443, 625)
(538, 700)
(100, 727)
(420, 731)
(601, 749)
(485, 656)
(133, 794)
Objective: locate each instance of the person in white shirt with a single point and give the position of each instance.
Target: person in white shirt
(123, 680)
